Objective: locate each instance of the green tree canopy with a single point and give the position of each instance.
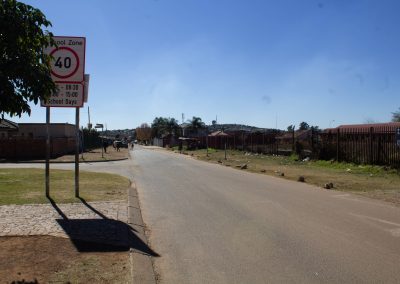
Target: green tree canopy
(304, 126)
(24, 68)
(196, 123)
(164, 126)
(396, 116)
(290, 128)
(315, 128)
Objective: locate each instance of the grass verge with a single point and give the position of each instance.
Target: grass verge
(27, 186)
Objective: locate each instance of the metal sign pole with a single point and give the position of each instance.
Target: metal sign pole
(102, 141)
(47, 152)
(77, 154)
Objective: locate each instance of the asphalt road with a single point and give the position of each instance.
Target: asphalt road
(213, 224)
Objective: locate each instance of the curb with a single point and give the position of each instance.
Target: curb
(142, 269)
(61, 162)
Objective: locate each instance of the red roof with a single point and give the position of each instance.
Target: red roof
(365, 127)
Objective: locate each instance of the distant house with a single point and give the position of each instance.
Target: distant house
(299, 135)
(218, 133)
(365, 128)
(39, 130)
(7, 128)
(167, 140)
(187, 131)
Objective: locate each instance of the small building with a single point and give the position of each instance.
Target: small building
(39, 130)
(24, 141)
(365, 128)
(7, 128)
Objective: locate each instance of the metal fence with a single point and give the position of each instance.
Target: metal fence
(376, 146)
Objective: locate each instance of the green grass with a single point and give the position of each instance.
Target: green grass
(27, 186)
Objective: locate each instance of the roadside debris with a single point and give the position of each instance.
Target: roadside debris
(328, 185)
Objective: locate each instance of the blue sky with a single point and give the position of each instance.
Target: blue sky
(261, 63)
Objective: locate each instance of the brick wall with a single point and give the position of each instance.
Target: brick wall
(25, 149)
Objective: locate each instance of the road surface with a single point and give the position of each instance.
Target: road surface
(213, 224)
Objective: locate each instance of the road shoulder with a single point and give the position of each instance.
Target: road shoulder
(141, 262)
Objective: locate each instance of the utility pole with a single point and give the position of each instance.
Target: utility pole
(89, 125)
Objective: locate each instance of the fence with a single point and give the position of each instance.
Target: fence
(34, 148)
(377, 146)
(257, 142)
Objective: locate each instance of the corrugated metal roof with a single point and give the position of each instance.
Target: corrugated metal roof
(218, 133)
(369, 125)
(377, 127)
(6, 124)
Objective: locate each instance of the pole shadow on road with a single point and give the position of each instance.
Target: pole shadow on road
(101, 235)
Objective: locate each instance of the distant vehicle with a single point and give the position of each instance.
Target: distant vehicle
(124, 144)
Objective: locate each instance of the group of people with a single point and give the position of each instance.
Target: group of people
(117, 145)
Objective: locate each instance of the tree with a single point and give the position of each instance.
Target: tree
(143, 133)
(158, 126)
(24, 68)
(196, 123)
(172, 126)
(164, 126)
(315, 128)
(396, 116)
(291, 128)
(304, 126)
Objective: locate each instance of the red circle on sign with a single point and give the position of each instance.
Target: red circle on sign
(76, 67)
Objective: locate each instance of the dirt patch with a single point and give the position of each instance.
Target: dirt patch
(91, 156)
(46, 259)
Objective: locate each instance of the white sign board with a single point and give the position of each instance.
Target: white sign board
(67, 71)
(68, 95)
(68, 64)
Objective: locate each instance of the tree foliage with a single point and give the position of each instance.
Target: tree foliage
(304, 126)
(396, 116)
(143, 133)
(315, 128)
(291, 128)
(24, 68)
(164, 126)
(196, 123)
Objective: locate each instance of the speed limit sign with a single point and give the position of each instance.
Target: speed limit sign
(67, 71)
(68, 63)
